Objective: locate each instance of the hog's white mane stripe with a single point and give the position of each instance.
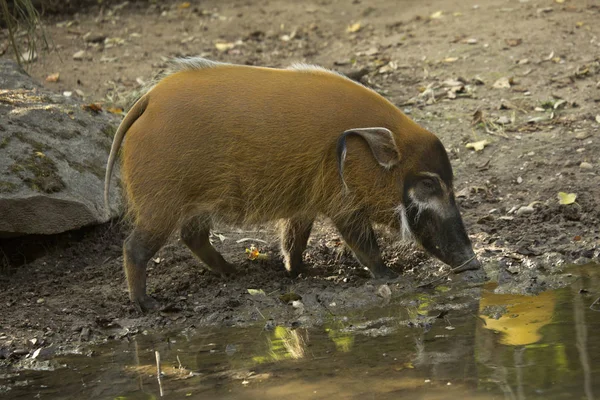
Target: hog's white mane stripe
(404, 228)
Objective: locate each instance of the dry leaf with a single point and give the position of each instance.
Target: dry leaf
(224, 46)
(255, 292)
(184, 5)
(502, 83)
(53, 77)
(115, 110)
(436, 15)
(254, 254)
(560, 1)
(94, 107)
(450, 59)
(478, 146)
(354, 28)
(566, 198)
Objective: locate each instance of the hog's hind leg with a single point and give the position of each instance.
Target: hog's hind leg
(138, 249)
(195, 234)
(294, 238)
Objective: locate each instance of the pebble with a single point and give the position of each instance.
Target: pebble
(40, 301)
(525, 210)
(583, 135)
(586, 165)
(80, 55)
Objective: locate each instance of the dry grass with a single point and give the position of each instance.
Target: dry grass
(22, 20)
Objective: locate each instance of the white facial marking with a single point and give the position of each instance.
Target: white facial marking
(434, 204)
(405, 227)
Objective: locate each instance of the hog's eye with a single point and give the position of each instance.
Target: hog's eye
(428, 184)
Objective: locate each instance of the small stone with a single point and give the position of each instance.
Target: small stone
(583, 135)
(503, 120)
(94, 37)
(80, 55)
(519, 180)
(40, 301)
(586, 165)
(525, 210)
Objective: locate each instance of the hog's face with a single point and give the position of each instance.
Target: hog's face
(431, 215)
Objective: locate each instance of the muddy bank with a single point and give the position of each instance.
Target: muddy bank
(440, 68)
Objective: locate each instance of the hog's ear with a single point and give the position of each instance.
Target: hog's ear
(380, 140)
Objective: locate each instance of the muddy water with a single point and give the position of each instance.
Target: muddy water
(447, 343)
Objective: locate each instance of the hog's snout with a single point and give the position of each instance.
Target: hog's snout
(471, 264)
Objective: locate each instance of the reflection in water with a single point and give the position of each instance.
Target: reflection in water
(523, 318)
(539, 347)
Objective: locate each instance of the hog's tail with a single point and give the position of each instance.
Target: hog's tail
(134, 113)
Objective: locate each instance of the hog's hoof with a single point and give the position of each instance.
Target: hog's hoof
(226, 270)
(384, 273)
(473, 276)
(145, 304)
(297, 271)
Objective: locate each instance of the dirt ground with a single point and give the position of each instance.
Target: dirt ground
(522, 74)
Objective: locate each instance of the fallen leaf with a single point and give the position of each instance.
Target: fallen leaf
(354, 28)
(478, 146)
(254, 254)
(256, 292)
(437, 15)
(184, 5)
(94, 107)
(579, 24)
(598, 118)
(40, 154)
(566, 198)
(53, 77)
(560, 1)
(224, 46)
(115, 110)
(502, 83)
(513, 42)
(450, 59)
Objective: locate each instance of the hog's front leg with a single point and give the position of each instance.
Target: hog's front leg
(360, 237)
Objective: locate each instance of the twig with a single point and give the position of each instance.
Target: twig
(439, 278)
(157, 355)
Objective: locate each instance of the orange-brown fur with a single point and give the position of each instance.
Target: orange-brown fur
(246, 145)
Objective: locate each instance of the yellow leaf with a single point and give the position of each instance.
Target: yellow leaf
(579, 24)
(40, 154)
(354, 27)
(115, 110)
(566, 198)
(478, 146)
(559, 1)
(436, 15)
(53, 77)
(184, 5)
(450, 59)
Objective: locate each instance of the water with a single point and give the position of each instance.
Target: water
(542, 347)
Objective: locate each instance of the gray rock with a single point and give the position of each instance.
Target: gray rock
(53, 154)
